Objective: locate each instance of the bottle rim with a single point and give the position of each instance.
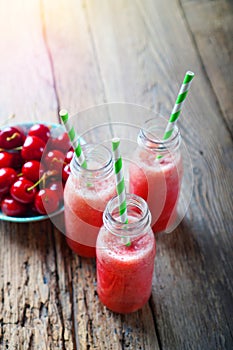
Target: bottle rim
(135, 205)
(93, 152)
(152, 141)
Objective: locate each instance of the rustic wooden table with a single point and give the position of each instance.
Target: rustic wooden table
(75, 54)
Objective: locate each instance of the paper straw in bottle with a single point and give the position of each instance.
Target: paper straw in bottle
(73, 138)
(178, 104)
(120, 184)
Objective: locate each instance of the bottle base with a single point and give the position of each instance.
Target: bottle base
(122, 307)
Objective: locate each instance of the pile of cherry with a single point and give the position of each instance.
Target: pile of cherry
(34, 167)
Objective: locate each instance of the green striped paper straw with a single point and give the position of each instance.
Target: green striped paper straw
(120, 186)
(120, 181)
(73, 138)
(178, 105)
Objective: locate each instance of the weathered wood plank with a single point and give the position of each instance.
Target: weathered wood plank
(31, 310)
(125, 51)
(78, 82)
(32, 314)
(26, 79)
(64, 278)
(211, 24)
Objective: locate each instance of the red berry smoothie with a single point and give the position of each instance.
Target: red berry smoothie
(124, 273)
(84, 205)
(158, 181)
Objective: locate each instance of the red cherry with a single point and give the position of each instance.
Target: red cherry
(7, 177)
(69, 156)
(10, 160)
(6, 159)
(11, 137)
(12, 207)
(54, 160)
(32, 170)
(66, 172)
(40, 130)
(33, 148)
(23, 191)
(62, 143)
(46, 201)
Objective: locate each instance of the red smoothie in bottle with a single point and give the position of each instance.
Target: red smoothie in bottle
(156, 175)
(86, 194)
(124, 271)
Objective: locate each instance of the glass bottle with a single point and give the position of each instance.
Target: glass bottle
(125, 254)
(156, 173)
(86, 193)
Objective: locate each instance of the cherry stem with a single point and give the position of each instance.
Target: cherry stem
(12, 137)
(19, 148)
(43, 178)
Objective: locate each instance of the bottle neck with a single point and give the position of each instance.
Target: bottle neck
(139, 217)
(99, 163)
(151, 137)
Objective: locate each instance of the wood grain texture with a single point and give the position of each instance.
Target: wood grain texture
(211, 24)
(26, 78)
(31, 308)
(78, 83)
(90, 52)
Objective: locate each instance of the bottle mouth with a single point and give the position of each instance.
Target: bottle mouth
(138, 214)
(151, 136)
(98, 159)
